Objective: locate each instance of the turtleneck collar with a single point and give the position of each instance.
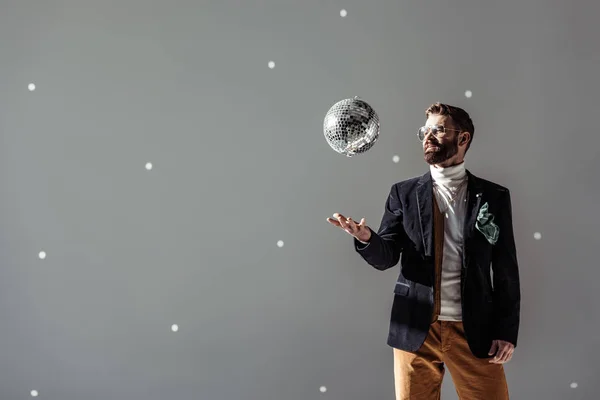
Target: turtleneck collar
(449, 176)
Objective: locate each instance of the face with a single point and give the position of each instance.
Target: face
(443, 151)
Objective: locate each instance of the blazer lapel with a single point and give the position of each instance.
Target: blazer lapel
(474, 195)
(424, 200)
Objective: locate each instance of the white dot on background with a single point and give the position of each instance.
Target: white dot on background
(271, 64)
(42, 255)
(174, 327)
(537, 236)
(323, 389)
(574, 385)
(280, 243)
(31, 87)
(148, 166)
(468, 93)
(396, 159)
(343, 13)
(34, 393)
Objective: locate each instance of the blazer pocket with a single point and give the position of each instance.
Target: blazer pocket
(401, 288)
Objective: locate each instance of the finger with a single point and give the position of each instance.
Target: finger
(352, 225)
(333, 221)
(507, 358)
(493, 349)
(500, 353)
(510, 356)
(362, 224)
(343, 221)
(501, 356)
(338, 216)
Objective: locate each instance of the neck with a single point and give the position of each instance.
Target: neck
(454, 174)
(450, 162)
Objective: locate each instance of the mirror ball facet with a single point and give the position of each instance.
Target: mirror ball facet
(351, 127)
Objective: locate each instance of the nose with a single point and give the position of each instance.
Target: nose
(426, 135)
(427, 139)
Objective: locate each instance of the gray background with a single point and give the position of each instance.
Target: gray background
(240, 162)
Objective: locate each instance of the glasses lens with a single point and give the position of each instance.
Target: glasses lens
(436, 131)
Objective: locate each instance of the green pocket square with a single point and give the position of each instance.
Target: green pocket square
(485, 224)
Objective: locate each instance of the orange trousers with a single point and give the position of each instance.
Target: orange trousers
(418, 376)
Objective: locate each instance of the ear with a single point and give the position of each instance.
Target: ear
(465, 138)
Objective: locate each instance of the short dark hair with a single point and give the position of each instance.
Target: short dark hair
(460, 118)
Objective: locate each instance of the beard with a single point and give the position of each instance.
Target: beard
(442, 153)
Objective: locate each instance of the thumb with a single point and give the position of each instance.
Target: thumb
(494, 348)
(362, 222)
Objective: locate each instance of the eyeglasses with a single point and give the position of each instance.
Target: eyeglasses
(436, 130)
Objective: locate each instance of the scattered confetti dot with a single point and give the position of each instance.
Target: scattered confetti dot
(174, 328)
(34, 393)
(280, 243)
(42, 255)
(574, 385)
(396, 159)
(537, 236)
(323, 389)
(468, 94)
(31, 87)
(271, 64)
(343, 13)
(148, 166)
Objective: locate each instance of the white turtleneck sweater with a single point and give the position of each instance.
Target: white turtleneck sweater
(450, 188)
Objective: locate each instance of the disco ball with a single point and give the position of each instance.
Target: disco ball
(351, 127)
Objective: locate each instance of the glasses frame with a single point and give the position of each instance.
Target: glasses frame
(440, 131)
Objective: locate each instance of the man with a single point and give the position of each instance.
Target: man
(457, 297)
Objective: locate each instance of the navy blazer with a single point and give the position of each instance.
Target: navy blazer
(490, 288)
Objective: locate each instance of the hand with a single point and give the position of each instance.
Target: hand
(360, 231)
(503, 351)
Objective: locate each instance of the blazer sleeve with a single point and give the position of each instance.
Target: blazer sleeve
(384, 247)
(507, 291)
